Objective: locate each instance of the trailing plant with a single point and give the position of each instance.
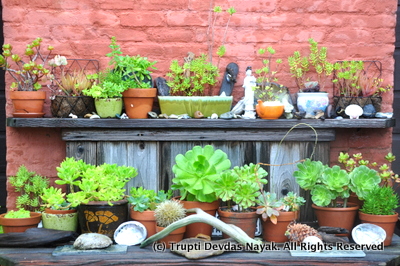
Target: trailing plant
(240, 185)
(30, 186)
(330, 185)
(268, 88)
(104, 182)
(309, 68)
(27, 72)
(21, 213)
(168, 212)
(146, 199)
(192, 77)
(196, 172)
(381, 201)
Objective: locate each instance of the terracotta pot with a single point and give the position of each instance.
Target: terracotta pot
(192, 230)
(269, 110)
(276, 232)
(337, 217)
(175, 236)
(146, 218)
(138, 102)
(387, 222)
(247, 221)
(19, 225)
(108, 108)
(62, 106)
(66, 220)
(100, 217)
(28, 104)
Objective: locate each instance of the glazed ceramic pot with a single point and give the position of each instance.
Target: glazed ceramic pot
(312, 102)
(138, 102)
(66, 220)
(269, 110)
(108, 108)
(207, 105)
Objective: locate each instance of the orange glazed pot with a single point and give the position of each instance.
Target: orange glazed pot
(269, 110)
(138, 102)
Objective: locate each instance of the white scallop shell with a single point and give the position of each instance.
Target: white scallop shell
(353, 111)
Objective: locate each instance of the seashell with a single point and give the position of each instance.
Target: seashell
(152, 114)
(354, 111)
(214, 116)
(198, 114)
(163, 116)
(173, 116)
(95, 117)
(124, 116)
(314, 242)
(87, 115)
(72, 115)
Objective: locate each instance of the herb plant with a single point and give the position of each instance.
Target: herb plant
(381, 201)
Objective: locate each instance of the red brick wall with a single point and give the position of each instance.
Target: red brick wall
(166, 30)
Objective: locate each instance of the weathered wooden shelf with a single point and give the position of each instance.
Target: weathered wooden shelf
(196, 123)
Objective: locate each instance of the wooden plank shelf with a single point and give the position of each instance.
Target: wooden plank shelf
(146, 256)
(199, 123)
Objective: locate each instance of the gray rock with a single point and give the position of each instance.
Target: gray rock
(92, 241)
(228, 115)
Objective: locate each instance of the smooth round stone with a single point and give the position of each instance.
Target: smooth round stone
(92, 241)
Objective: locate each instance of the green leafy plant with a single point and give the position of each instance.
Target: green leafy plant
(196, 172)
(330, 185)
(147, 199)
(105, 89)
(268, 88)
(381, 201)
(87, 182)
(53, 198)
(240, 185)
(21, 213)
(30, 186)
(353, 80)
(314, 67)
(27, 73)
(384, 170)
(292, 202)
(168, 212)
(192, 77)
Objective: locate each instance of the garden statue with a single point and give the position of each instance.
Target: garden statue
(248, 84)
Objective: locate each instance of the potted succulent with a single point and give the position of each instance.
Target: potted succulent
(278, 214)
(68, 86)
(379, 208)
(166, 213)
(310, 73)
(58, 214)
(240, 186)
(30, 186)
(99, 193)
(136, 78)
(359, 83)
(271, 96)
(27, 73)
(143, 203)
(195, 174)
(331, 187)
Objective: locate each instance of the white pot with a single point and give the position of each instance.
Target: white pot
(312, 102)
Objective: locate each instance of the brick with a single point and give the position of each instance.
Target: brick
(142, 19)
